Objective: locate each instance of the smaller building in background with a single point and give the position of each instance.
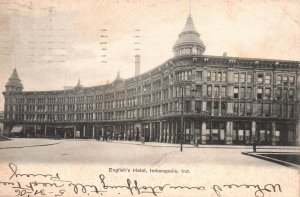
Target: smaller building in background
(1, 122)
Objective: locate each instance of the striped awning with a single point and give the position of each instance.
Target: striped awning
(17, 129)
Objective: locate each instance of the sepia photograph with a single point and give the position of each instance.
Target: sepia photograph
(168, 98)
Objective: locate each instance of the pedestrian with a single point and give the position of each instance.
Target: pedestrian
(254, 143)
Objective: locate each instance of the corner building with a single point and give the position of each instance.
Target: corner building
(226, 100)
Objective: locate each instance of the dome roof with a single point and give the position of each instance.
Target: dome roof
(14, 81)
(189, 38)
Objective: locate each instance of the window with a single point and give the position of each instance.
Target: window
(213, 76)
(198, 106)
(198, 90)
(216, 91)
(216, 107)
(242, 77)
(223, 108)
(187, 90)
(242, 92)
(291, 110)
(292, 80)
(248, 109)
(219, 74)
(236, 77)
(268, 79)
(291, 94)
(267, 110)
(236, 108)
(236, 93)
(285, 93)
(279, 79)
(285, 80)
(199, 75)
(208, 76)
(223, 76)
(260, 78)
(267, 93)
(249, 78)
(248, 93)
(259, 109)
(209, 91)
(278, 93)
(259, 93)
(223, 91)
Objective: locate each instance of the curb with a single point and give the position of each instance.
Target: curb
(14, 147)
(277, 161)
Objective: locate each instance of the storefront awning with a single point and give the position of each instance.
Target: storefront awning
(17, 129)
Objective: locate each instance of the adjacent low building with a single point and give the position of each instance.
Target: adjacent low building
(221, 100)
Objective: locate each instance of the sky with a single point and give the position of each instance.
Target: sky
(53, 43)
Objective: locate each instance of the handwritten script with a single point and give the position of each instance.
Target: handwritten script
(25, 184)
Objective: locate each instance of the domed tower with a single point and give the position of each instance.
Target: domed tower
(14, 83)
(189, 42)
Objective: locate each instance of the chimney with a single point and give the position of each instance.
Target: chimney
(225, 54)
(137, 64)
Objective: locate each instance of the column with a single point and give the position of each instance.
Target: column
(125, 132)
(93, 131)
(171, 131)
(253, 129)
(34, 128)
(45, 131)
(55, 131)
(160, 131)
(83, 131)
(193, 130)
(151, 131)
(102, 131)
(167, 132)
(74, 132)
(298, 132)
(203, 129)
(229, 128)
(273, 134)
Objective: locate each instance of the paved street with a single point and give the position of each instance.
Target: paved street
(79, 159)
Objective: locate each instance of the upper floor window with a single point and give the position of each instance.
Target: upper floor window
(216, 91)
(209, 90)
(285, 80)
(279, 79)
(268, 79)
(219, 74)
(291, 94)
(223, 76)
(242, 77)
(223, 91)
(236, 92)
(260, 77)
(248, 93)
(292, 80)
(249, 78)
(199, 75)
(236, 77)
(268, 93)
(259, 93)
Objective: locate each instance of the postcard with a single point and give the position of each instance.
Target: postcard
(149, 98)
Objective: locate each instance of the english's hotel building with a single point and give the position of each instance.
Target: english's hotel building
(226, 100)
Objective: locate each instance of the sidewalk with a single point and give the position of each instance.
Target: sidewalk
(162, 144)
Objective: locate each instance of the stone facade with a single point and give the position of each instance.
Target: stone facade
(221, 99)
